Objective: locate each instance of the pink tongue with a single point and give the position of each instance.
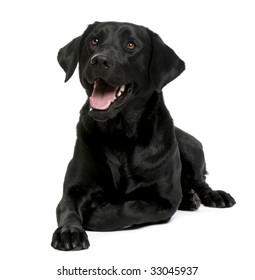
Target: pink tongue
(102, 96)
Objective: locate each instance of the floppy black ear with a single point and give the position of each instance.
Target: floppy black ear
(68, 57)
(165, 64)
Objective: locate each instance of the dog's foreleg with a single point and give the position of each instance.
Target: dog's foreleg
(70, 234)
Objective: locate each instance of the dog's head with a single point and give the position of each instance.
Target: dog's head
(119, 62)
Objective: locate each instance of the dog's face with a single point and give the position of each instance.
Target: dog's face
(120, 65)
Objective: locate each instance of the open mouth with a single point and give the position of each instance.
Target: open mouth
(105, 96)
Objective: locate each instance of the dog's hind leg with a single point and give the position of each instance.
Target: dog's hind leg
(194, 186)
(113, 216)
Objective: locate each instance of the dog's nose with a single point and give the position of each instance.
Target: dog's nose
(99, 60)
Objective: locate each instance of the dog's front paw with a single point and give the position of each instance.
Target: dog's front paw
(70, 238)
(219, 199)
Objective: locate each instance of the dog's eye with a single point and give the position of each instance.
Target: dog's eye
(94, 41)
(130, 46)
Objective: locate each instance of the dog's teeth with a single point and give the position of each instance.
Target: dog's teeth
(90, 109)
(122, 89)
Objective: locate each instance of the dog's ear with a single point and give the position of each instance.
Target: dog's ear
(165, 64)
(68, 57)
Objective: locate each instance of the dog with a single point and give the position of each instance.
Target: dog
(131, 166)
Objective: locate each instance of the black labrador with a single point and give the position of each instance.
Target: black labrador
(131, 166)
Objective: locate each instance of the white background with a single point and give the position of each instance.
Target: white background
(212, 99)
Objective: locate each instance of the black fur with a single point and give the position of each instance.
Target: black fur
(131, 165)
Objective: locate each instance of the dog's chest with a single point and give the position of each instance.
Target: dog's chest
(131, 162)
(129, 168)
(120, 165)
